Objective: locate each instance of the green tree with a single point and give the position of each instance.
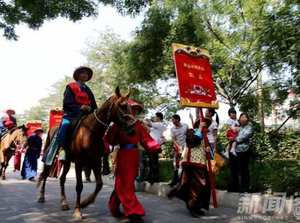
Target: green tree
(42, 109)
(227, 29)
(238, 34)
(35, 12)
(108, 57)
(280, 44)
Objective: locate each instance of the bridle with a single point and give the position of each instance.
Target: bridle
(108, 115)
(15, 141)
(99, 120)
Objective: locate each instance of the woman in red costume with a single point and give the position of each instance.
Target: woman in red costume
(127, 165)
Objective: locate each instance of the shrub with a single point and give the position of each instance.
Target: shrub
(274, 175)
(167, 150)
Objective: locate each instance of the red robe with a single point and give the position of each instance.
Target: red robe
(127, 167)
(17, 160)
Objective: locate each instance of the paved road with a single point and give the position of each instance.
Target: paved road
(18, 205)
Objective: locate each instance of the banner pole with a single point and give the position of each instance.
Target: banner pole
(210, 173)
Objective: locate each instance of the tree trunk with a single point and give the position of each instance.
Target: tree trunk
(260, 114)
(282, 124)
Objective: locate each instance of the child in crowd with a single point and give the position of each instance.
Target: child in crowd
(233, 128)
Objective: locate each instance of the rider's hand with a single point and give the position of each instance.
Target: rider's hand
(207, 149)
(202, 124)
(85, 108)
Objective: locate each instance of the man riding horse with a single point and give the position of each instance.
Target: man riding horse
(87, 147)
(8, 143)
(8, 122)
(78, 100)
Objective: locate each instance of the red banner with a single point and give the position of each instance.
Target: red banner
(194, 74)
(55, 118)
(32, 126)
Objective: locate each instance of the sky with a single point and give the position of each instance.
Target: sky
(41, 57)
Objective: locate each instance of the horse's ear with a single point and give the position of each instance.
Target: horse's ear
(21, 126)
(24, 128)
(128, 94)
(117, 92)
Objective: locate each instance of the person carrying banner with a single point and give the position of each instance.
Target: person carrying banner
(194, 186)
(196, 88)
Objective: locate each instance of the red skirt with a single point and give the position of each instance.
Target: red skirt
(17, 160)
(124, 191)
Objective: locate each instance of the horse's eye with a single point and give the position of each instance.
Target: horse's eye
(123, 104)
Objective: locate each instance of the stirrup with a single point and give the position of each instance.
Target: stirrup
(62, 154)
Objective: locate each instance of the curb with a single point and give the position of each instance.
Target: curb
(224, 198)
(255, 202)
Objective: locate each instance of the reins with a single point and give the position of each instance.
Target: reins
(98, 119)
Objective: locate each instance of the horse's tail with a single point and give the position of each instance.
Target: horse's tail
(45, 172)
(41, 178)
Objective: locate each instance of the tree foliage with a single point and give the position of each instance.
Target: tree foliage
(108, 57)
(226, 29)
(35, 12)
(246, 38)
(42, 109)
(239, 35)
(281, 48)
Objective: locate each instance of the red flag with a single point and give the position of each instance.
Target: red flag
(194, 74)
(32, 125)
(196, 88)
(55, 118)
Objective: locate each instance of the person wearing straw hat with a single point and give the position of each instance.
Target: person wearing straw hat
(78, 101)
(34, 147)
(10, 122)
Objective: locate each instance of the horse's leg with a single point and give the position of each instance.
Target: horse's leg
(79, 187)
(7, 157)
(63, 201)
(1, 161)
(91, 199)
(2, 170)
(43, 178)
(5, 164)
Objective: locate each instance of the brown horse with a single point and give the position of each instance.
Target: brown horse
(9, 142)
(87, 147)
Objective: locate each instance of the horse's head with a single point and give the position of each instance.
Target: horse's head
(118, 110)
(18, 137)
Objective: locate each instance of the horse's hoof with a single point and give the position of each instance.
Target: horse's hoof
(38, 183)
(87, 202)
(41, 200)
(77, 215)
(65, 207)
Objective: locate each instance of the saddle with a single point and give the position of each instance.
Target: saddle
(72, 129)
(52, 151)
(3, 132)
